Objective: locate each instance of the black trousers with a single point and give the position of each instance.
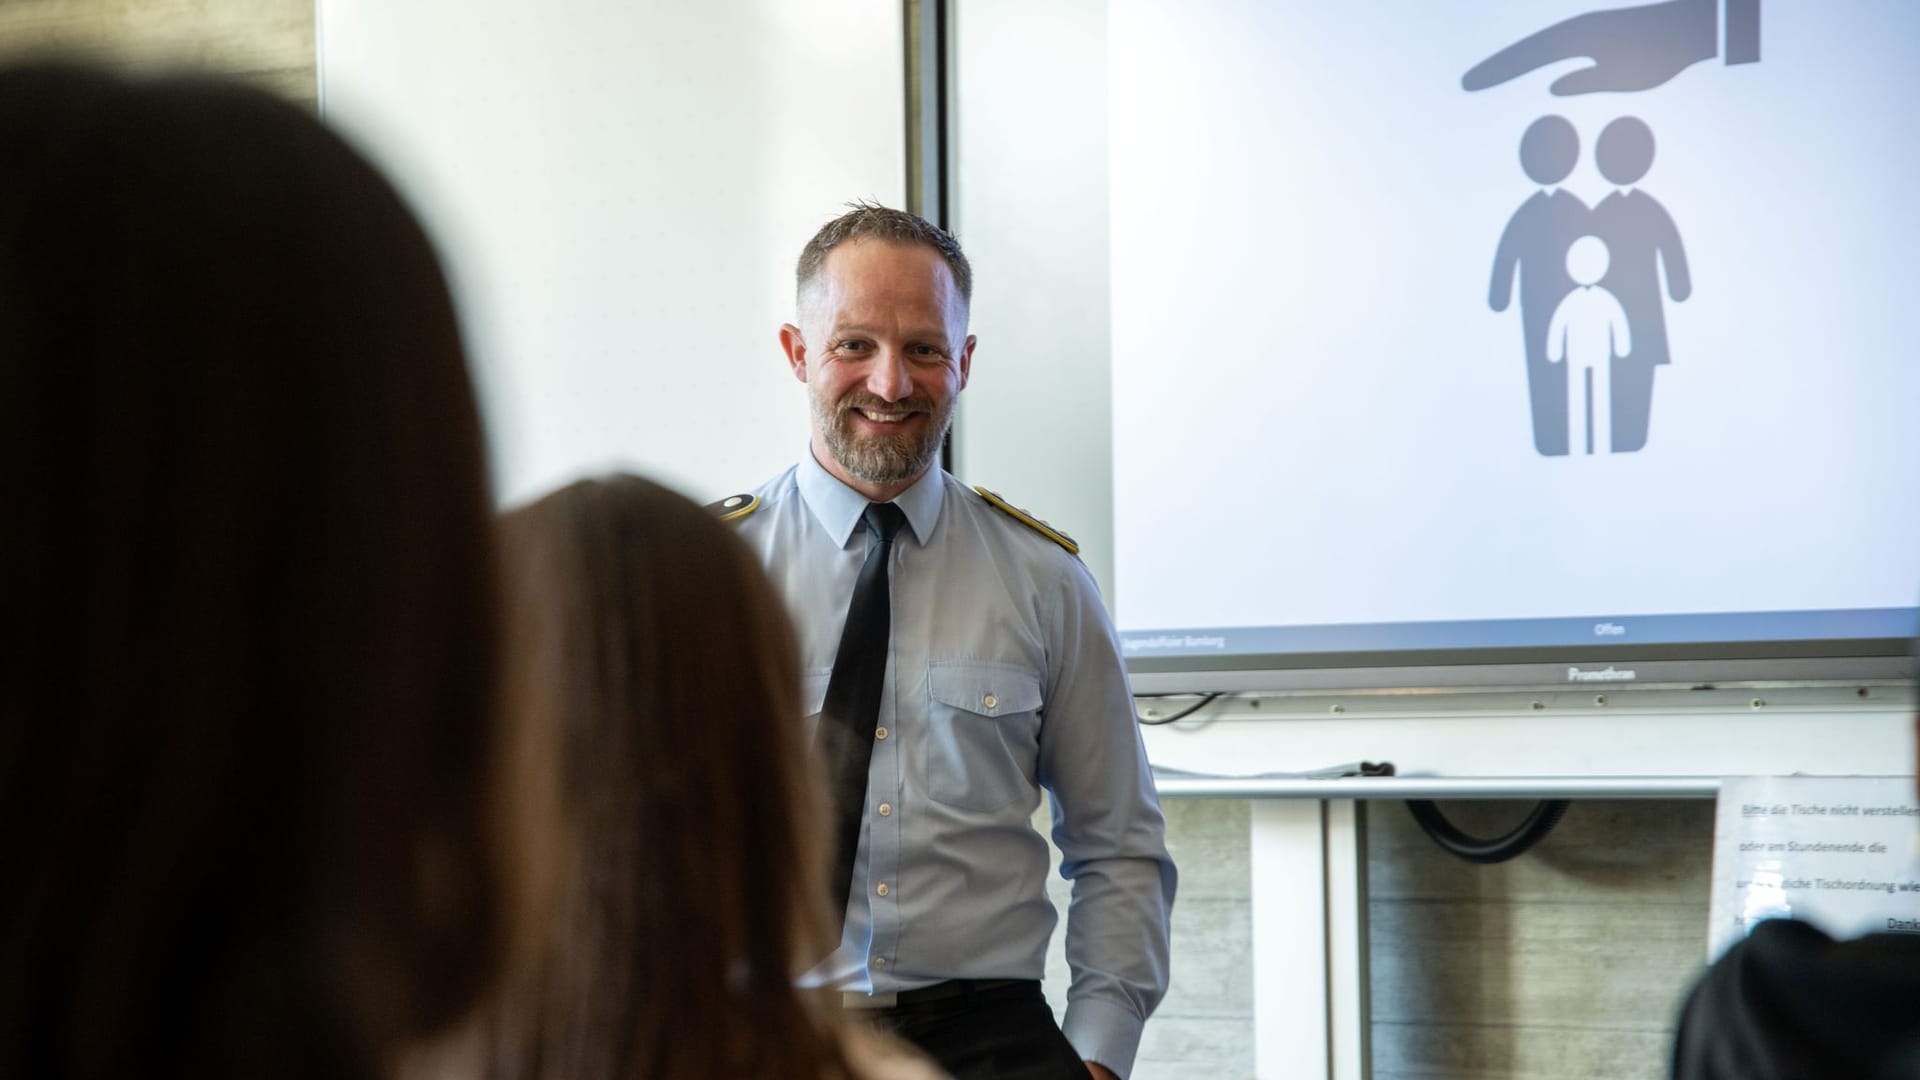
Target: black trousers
(985, 1031)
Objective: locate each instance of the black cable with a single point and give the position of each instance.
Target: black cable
(1205, 700)
(1546, 814)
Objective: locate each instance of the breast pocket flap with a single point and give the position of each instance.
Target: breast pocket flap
(987, 689)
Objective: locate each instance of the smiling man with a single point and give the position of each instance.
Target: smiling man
(959, 662)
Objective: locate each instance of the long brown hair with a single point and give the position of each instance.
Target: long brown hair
(248, 636)
(647, 640)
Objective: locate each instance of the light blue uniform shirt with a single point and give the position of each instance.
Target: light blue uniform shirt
(1004, 678)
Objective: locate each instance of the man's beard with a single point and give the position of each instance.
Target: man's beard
(881, 459)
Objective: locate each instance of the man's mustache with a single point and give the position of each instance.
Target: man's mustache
(917, 403)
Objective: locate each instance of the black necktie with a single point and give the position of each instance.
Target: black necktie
(851, 710)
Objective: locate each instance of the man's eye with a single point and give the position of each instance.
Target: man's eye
(851, 346)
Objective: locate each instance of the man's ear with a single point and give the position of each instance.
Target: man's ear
(966, 361)
(795, 347)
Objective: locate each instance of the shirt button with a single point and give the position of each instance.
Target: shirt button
(990, 701)
(879, 962)
(879, 733)
(882, 889)
(885, 809)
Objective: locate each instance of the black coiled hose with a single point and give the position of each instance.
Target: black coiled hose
(1546, 814)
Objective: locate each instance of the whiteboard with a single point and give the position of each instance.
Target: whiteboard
(620, 191)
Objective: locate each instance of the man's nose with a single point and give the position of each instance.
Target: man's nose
(889, 378)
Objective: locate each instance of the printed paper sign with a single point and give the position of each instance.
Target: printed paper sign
(1840, 853)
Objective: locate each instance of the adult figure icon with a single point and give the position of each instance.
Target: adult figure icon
(1643, 241)
(1533, 248)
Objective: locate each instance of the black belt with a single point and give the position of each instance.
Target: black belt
(940, 991)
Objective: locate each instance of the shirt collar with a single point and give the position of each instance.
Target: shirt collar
(838, 507)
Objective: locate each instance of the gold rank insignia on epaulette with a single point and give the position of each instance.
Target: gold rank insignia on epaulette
(1031, 522)
(734, 507)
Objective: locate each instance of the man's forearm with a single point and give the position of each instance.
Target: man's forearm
(1117, 948)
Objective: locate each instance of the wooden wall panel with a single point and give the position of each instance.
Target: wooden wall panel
(1570, 961)
(268, 42)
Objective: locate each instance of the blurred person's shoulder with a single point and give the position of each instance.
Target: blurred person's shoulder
(1790, 1001)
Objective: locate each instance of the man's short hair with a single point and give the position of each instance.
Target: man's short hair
(871, 221)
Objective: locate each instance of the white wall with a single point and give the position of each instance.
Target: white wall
(1029, 135)
(620, 189)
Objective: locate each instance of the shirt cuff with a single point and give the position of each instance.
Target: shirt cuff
(1103, 1032)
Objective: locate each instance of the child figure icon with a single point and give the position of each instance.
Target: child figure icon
(1588, 332)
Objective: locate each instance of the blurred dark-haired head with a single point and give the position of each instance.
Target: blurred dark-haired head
(249, 645)
(649, 652)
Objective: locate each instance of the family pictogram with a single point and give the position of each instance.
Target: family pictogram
(1590, 285)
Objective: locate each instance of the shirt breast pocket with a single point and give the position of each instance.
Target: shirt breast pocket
(983, 734)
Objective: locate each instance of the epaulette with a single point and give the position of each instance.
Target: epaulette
(1031, 522)
(734, 507)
